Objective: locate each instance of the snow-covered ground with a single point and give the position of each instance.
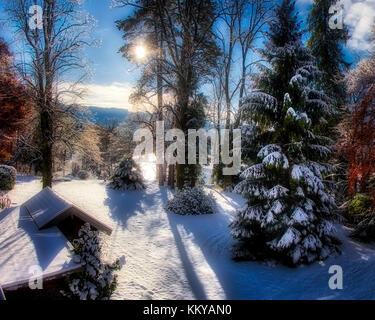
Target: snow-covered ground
(186, 257)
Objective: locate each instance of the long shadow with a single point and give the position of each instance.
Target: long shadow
(159, 197)
(26, 178)
(125, 204)
(199, 230)
(194, 281)
(223, 195)
(238, 280)
(255, 280)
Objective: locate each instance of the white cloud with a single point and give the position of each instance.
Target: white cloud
(359, 16)
(115, 95)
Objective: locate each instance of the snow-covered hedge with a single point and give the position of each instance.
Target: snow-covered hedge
(8, 177)
(83, 175)
(97, 281)
(191, 201)
(127, 176)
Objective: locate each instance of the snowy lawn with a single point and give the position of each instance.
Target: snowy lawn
(188, 257)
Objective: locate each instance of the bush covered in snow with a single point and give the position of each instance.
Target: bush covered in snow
(365, 229)
(8, 177)
(83, 175)
(360, 205)
(362, 212)
(127, 176)
(97, 281)
(5, 201)
(191, 201)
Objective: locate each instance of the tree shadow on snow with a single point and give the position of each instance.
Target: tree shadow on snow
(125, 204)
(191, 275)
(202, 230)
(22, 178)
(257, 280)
(211, 234)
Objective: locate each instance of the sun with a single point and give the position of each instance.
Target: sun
(148, 167)
(149, 172)
(140, 52)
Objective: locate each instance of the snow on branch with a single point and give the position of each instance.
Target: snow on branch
(254, 172)
(268, 149)
(258, 100)
(276, 159)
(277, 192)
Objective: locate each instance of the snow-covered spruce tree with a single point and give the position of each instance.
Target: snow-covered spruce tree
(97, 281)
(127, 176)
(191, 201)
(289, 212)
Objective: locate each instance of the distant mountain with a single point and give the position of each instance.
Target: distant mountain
(104, 116)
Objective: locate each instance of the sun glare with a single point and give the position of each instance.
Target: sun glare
(148, 167)
(140, 52)
(149, 173)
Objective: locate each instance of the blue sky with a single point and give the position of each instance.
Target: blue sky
(109, 66)
(113, 78)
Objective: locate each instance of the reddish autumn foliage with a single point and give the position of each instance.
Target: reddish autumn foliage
(361, 144)
(15, 104)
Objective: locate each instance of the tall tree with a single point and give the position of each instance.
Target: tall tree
(186, 29)
(284, 34)
(358, 137)
(254, 15)
(361, 153)
(326, 45)
(143, 28)
(14, 101)
(240, 25)
(356, 144)
(230, 16)
(289, 212)
(53, 38)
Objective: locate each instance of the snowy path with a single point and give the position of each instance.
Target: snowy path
(175, 257)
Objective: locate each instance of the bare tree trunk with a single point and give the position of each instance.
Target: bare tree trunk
(64, 162)
(184, 92)
(180, 176)
(160, 167)
(242, 88)
(46, 148)
(54, 49)
(171, 176)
